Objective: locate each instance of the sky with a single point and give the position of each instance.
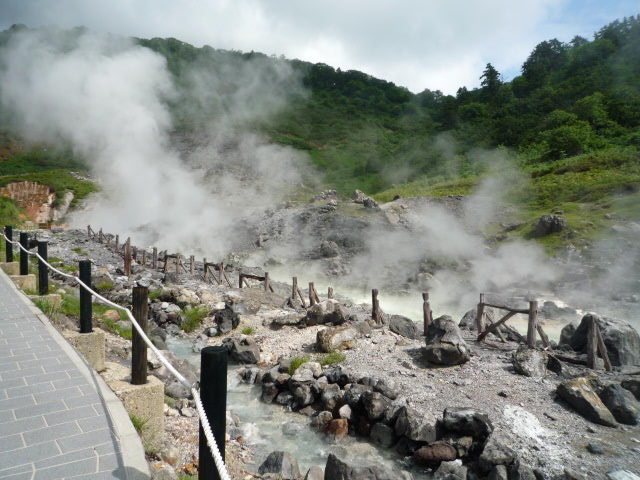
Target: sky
(417, 44)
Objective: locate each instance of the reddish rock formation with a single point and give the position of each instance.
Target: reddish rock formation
(35, 199)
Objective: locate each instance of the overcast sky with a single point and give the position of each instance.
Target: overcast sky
(435, 44)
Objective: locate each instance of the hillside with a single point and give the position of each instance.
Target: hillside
(570, 122)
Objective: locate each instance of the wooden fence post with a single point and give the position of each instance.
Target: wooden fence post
(144, 257)
(312, 298)
(192, 264)
(592, 343)
(213, 392)
(330, 292)
(533, 322)
(117, 242)
(89, 231)
(426, 311)
(480, 315)
(139, 308)
(240, 280)
(375, 307)
(84, 272)
(177, 264)
(266, 281)
(127, 259)
(154, 258)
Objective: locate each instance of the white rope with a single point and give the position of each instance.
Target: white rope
(213, 446)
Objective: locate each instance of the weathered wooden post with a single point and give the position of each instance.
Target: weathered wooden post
(192, 264)
(375, 307)
(100, 236)
(240, 277)
(592, 343)
(330, 292)
(134, 253)
(177, 264)
(139, 308)
(127, 259)
(24, 256)
(84, 272)
(266, 281)
(312, 298)
(43, 270)
(480, 315)
(154, 258)
(533, 322)
(8, 231)
(602, 348)
(221, 272)
(144, 257)
(426, 312)
(89, 231)
(117, 242)
(213, 392)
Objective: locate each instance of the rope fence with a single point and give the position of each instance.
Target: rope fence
(204, 421)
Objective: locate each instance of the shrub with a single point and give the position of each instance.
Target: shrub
(295, 363)
(191, 318)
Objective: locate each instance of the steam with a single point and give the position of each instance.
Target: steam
(107, 98)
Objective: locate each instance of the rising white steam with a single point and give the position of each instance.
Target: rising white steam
(107, 98)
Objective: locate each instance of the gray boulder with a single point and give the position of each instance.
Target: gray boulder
(383, 434)
(404, 327)
(620, 338)
(547, 224)
(336, 469)
(633, 385)
(622, 475)
(415, 426)
(226, 319)
(567, 332)
(496, 452)
(242, 350)
(282, 464)
(529, 362)
(622, 404)
(580, 394)
(444, 343)
(467, 421)
(453, 470)
(327, 311)
(374, 404)
(336, 338)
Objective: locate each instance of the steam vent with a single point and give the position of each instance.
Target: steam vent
(35, 199)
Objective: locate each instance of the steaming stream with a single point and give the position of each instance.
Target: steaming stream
(262, 427)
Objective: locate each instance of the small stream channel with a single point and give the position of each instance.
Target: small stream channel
(268, 427)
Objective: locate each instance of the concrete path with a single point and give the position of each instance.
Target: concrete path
(58, 419)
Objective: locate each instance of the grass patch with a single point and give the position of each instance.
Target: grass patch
(79, 251)
(192, 317)
(186, 476)
(10, 213)
(331, 358)
(154, 294)
(138, 423)
(104, 286)
(71, 307)
(113, 327)
(247, 330)
(169, 401)
(295, 364)
(48, 308)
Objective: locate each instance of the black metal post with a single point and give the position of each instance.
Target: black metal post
(213, 391)
(43, 270)
(24, 256)
(8, 231)
(85, 297)
(140, 306)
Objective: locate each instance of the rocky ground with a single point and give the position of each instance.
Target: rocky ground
(525, 413)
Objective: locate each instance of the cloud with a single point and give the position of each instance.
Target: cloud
(415, 43)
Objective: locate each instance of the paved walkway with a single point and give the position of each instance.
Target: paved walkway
(56, 418)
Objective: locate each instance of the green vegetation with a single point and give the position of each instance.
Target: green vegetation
(170, 401)
(60, 181)
(323, 359)
(295, 363)
(39, 159)
(192, 317)
(79, 251)
(103, 287)
(48, 308)
(71, 307)
(154, 294)
(138, 423)
(10, 213)
(247, 330)
(331, 358)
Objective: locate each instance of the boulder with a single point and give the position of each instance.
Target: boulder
(468, 320)
(269, 392)
(314, 473)
(580, 394)
(282, 464)
(337, 429)
(327, 311)
(547, 224)
(622, 475)
(374, 404)
(404, 327)
(444, 343)
(529, 362)
(383, 434)
(622, 404)
(499, 472)
(431, 455)
(336, 338)
(567, 332)
(337, 374)
(336, 469)
(303, 395)
(620, 338)
(495, 452)
(415, 426)
(467, 421)
(520, 471)
(329, 249)
(353, 393)
(226, 319)
(331, 397)
(321, 420)
(242, 349)
(453, 470)
(633, 385)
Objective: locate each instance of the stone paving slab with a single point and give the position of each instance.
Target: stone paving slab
(55, 413)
